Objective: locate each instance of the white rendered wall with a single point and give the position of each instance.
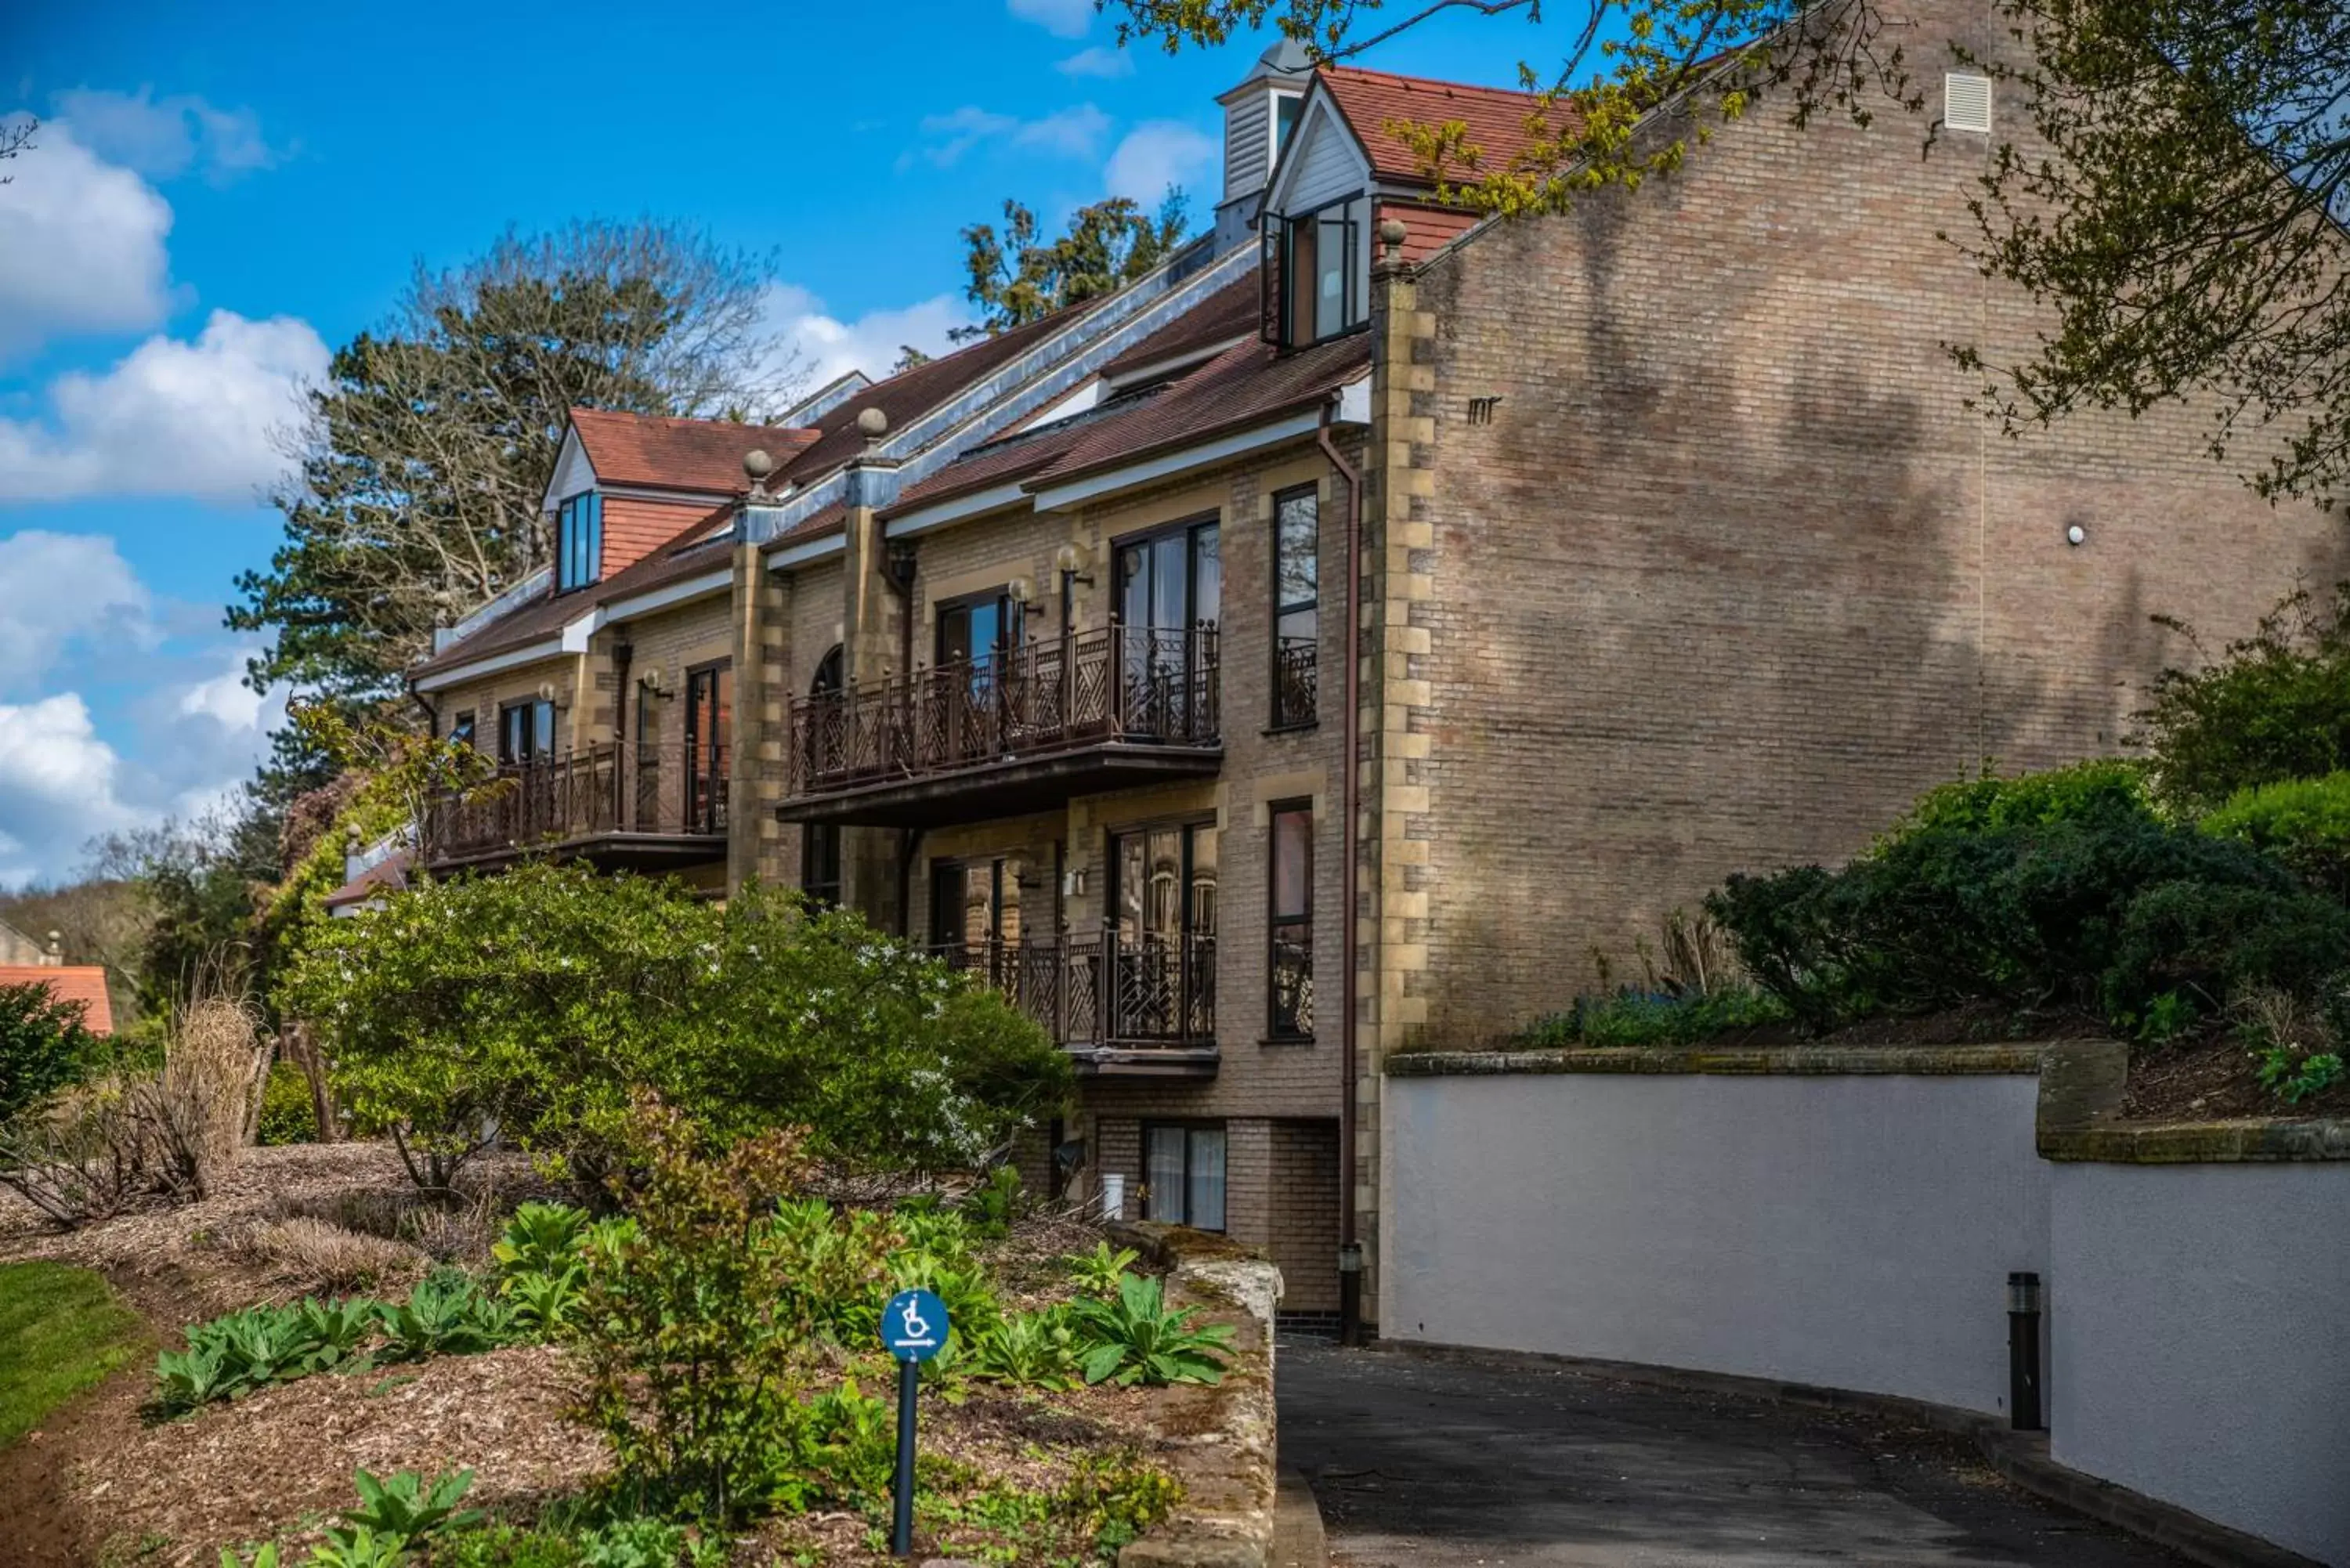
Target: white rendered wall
(1850, 1231)
(2199, 1321)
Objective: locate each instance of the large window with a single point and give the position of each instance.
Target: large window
(1297, 605)
(1171, 589)
(1316, 272)
(526, 731)
(579, 541)
(979, 628)
(709, 721)
(1183, 1174)
(1290, 961)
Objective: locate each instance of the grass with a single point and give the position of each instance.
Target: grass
(61, 1330)
(1655, 1018)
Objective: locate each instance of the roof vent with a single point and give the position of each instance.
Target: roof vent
(1966, 102)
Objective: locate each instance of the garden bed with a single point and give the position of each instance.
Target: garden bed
(1012, 1471)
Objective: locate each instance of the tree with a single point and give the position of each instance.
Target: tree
(424, 457)
(16, 136)
(2186, 224)
(2181, 215)
(1016, 279)
(44, 1046)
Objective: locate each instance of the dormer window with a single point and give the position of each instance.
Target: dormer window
(1286, 107)
(1316, 272)
(579, 541)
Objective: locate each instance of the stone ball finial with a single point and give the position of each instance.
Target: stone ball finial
(1392, 233)
(872, 423)
(758, 464)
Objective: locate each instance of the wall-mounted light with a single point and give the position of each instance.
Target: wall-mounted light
(1070, 561)
(1023, 590)
(2077, 535)
(546, 690)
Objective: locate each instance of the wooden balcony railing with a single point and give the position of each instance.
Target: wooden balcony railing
(600, 793)
(1103, 990)
(1115, 684)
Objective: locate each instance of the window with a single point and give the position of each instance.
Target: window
(709, 718)
(1171, 589)
(979, 628)
(461, 729)
(1297, 606)
(1183, 1175)
(526, 731)
(1162, 900)
(1285, 110)
(1290, 962)
(1316, 272)
(579, 541)
(820, 841)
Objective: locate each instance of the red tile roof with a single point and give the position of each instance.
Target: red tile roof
(1501, 124)
(1232, 311)
(84, 983)
(389, 873)
(1245, 385)
(704, 455)
(910, 394)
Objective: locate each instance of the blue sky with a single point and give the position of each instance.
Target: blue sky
(220, 194)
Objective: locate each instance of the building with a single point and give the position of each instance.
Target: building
(1621, 550)
(74, 983)
(19, 950)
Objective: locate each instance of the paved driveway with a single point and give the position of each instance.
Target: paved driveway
(1427, 1463)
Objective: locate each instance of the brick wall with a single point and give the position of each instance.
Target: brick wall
(1302, 1231)
(1733, 573)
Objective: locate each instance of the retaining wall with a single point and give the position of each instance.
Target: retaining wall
(1847, 1219)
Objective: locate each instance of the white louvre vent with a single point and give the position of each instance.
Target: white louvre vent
(1966, 102)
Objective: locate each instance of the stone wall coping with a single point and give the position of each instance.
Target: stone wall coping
(2078, 1116)
(1771, 1061)
(1229, 1472)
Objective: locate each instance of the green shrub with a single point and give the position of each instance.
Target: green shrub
(2294, 1076)
(404, 1506)
(2105, 791)
(2305, 823)
(696, 1340)
(1099, 1272)
(503, 1547)
(1137, 1338)
(1655, 1018)
(2024, 916)
(288, 1115)
(1026, 1350)
(43, 1047)
(2209, 943)
(447, 1315)
(537, 1000)
(2272, 707)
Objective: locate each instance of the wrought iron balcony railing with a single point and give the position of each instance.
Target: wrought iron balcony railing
(598, 795)
(1105, 990)
(1294, 680)
(1120, 684)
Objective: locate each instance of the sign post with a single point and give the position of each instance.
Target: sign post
(914, 1326)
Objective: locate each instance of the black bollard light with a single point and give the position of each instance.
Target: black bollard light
(2023, 1352)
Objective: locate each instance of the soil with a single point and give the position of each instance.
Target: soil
(2212, 1079)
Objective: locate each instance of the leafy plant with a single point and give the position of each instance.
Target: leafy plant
(44, 1046)
(356, 1546)
(2294, 1076)
(2305, 823)
(1099, 1272)
(696, 1342)
(2272, 707)
(445, 1315)
(1031, 1350)
(288, 1115)
(190, 1379)
(1650, 1018)
(993, 1205)
(1137, 1338)
(540, 1238)
(853, 1444)
(543, 1303)
(406, 1507)
(264, 1556)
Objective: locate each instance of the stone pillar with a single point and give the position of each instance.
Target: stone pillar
(762, 723)
(873, 611)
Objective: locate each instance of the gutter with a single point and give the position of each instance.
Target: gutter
(1350, 1280)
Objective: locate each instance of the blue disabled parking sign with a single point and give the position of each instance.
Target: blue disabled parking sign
(914, 1325)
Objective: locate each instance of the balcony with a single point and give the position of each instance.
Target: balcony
(1294, 682)
(1019, 731)
(1139, 1007)
(639, 807)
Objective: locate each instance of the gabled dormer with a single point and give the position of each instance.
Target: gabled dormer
(625, 483)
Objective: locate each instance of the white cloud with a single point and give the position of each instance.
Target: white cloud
(829, 347)
(1156, 154)
(166, 137)
(226, 700)
(1073, 133)
(81, 245)
(57, 788)
(1097, 61)
(1062, 18)
(56, 589)
(173, 418)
